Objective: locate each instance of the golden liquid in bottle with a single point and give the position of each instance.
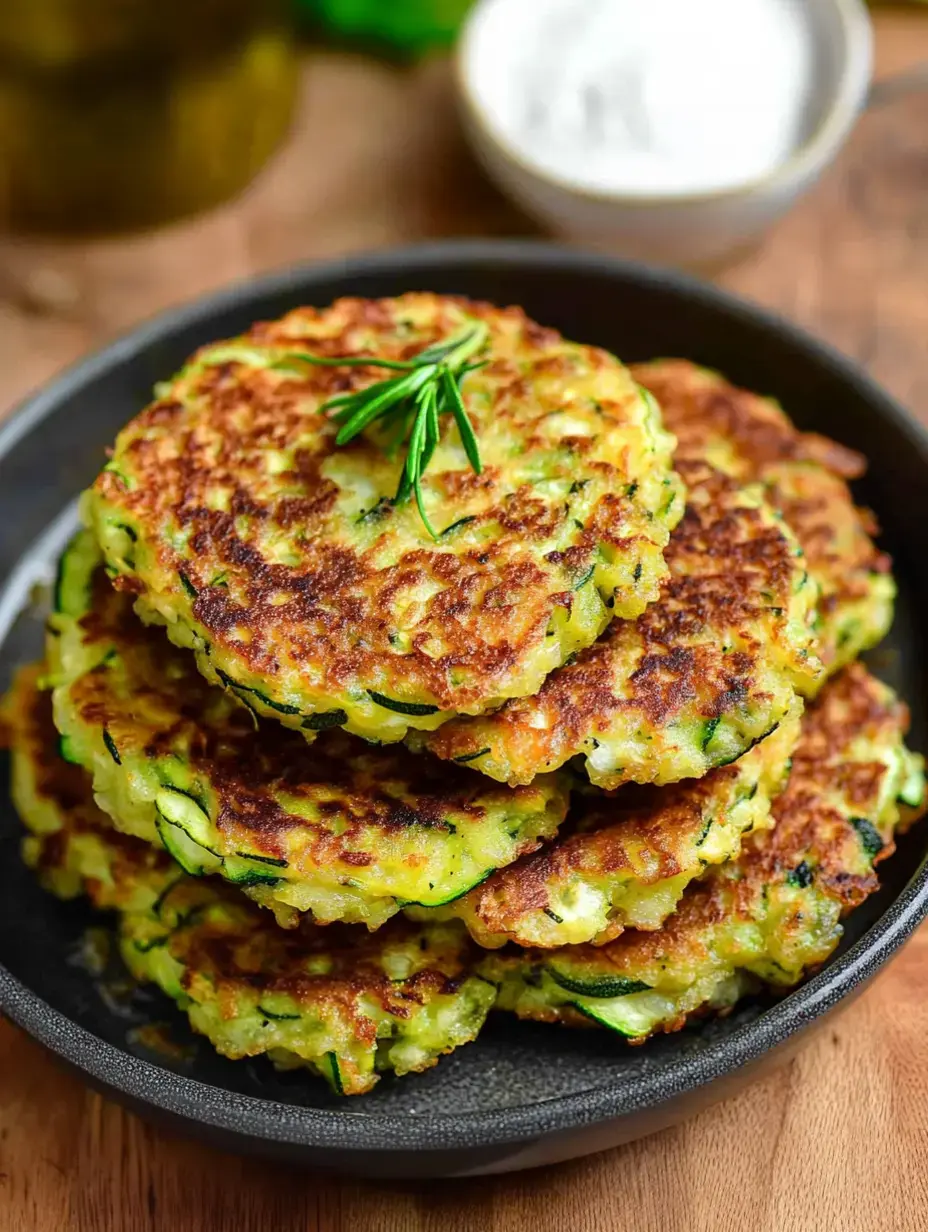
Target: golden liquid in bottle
(126, 113)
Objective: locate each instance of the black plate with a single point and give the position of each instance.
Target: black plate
(523, 1094)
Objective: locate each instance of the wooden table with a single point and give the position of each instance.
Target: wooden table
(839, 1139)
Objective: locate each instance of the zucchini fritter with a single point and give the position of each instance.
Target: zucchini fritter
(768, 916)
(336, 1000)
(283, 562)
(805, 476)
(629, 858)
(337, 828)
(696, 680)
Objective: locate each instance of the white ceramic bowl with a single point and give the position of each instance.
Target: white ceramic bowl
(695, 229)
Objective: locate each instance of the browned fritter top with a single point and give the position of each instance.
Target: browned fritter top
(222, 957)
(845, 759)
(229, 509)
(834, 821)
(805, 475)
(700, 403)
(165, 709)
(238, 944)
(340, 821)
(628, 857)
(724, 645)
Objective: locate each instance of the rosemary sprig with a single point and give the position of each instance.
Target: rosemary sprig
(410, 406)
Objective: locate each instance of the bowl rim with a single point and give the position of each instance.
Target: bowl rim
(846, 105)
(347, 1129)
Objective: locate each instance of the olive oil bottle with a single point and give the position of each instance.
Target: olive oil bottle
(117, 114)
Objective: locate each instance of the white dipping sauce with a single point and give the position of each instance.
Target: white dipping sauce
(649, 97)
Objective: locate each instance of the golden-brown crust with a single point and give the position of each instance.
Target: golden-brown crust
(57, 783)
(803, 476)
(629, 856)
(33, 731)
(805, 473)
(703, 650)
(809, 830)
(225, 944)
(335, 802)
(854, 707)
(698, 403)
(647, 833)
(835, 535)
(239, 946)
(304, 592)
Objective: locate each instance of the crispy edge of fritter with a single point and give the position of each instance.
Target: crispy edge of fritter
(629, 858)
(221, 957)
(772, 915)
(339, 828)
(735, 570)
(341, 591)
(806, 475)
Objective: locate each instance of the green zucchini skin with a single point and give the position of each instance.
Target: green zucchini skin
(324, 721)
(341, 1003)
(192, 858)
(188, 586)
(601, 987)
(582, 581)
(70, 594)
(606, 1015)
(401, 707)
(765, 918)
(67, 752)
(335, 829)
(870, 838)
(628, 858)
(466, 758)
(912, 795)
(111, 747)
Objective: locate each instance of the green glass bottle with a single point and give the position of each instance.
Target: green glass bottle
(409, 27)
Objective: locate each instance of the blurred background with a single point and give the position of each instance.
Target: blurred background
(152, 150)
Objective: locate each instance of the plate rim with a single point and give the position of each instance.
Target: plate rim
(351, 1128)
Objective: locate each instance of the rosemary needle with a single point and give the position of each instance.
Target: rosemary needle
(410, 405)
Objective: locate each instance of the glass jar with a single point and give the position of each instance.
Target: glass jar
(127, 113)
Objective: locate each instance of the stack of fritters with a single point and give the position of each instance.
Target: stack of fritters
(600, 751)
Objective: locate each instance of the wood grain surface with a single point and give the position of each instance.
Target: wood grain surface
(839, 1138)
